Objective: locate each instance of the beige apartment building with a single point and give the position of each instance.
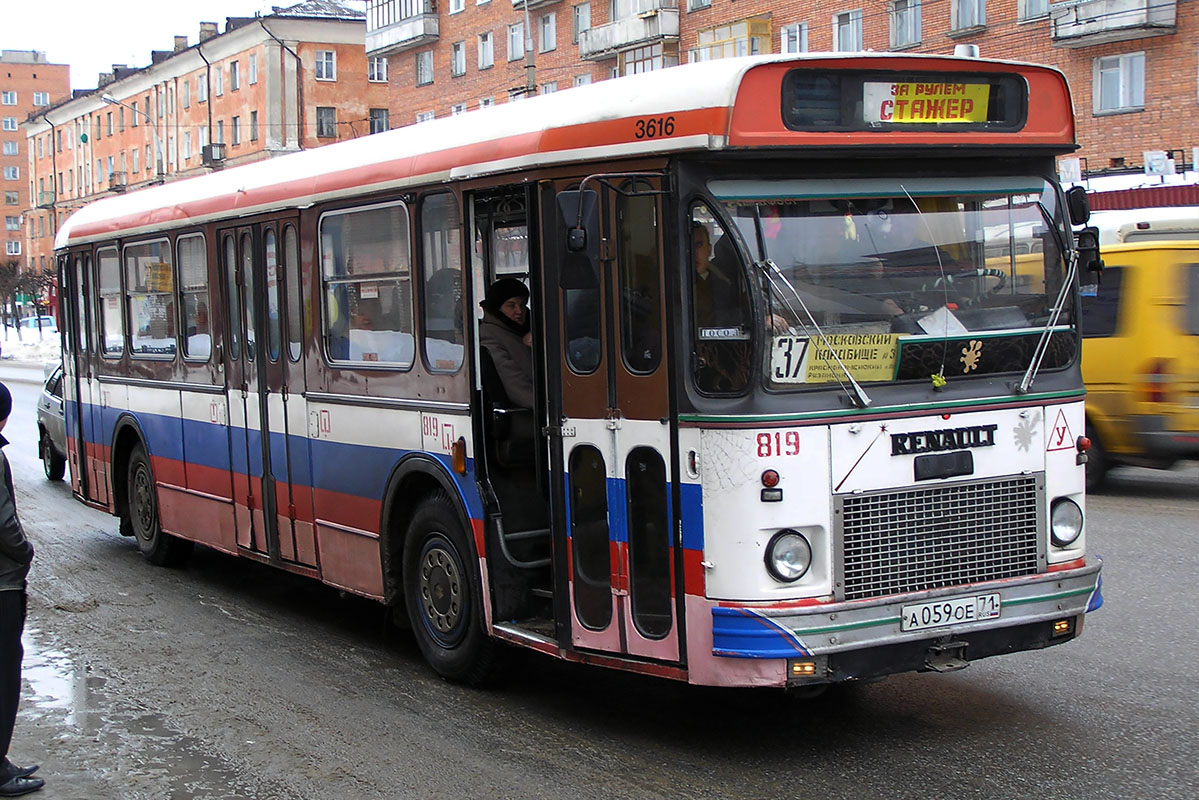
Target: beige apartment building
(264, 86)
(1133, 65)
(28, 84)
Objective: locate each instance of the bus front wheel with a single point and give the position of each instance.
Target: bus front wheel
(441, 588)
(140, 516)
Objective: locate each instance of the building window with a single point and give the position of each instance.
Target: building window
(326, 122)
(457, 6)
(457, 108)
(12, 223)
(583, 80)
(905, 23)
(253, 68)
(218, 82)
(12, 199)
(745, 37)
(380, 120)
(137, 159)
(580, 21)
(549, 88)
(13, 247)
(236, 130)
(253, 126)
(968, 14)
(548, 30)
(516, 41)
(424, 116)
(187, 147)
(487, 102)
(187, 99)
(458, 59)
(649, 58)
(41, 98)
(1120, 83)
(234, 76)
(10, 149)
(376, 69)
(424, 68)
(794, 38)
(108, 122)
(847, 31)
(220, 130)
(8, 98)
(486, 55)
(201, 88)
(1033, 9)
(12, 173)
(326, 65)
(10, 123)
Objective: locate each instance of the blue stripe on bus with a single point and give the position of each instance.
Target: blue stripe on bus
(741, 633)
(356, 470)
(692, 515)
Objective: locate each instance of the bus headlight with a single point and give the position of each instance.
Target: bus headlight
(1065, 522)
(788, 556)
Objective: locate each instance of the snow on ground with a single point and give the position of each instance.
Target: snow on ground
(33, 346)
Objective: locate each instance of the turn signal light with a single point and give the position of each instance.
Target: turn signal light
(1062, 627)
(458, 456)
(803, 669)
(1083, 444)
(770, 479)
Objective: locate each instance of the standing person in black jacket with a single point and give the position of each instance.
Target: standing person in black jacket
(16, 554)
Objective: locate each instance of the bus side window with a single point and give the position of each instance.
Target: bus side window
(719, 307)
(441, 236)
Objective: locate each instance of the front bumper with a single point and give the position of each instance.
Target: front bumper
(863, 638)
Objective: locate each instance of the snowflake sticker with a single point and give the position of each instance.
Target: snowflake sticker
(971, 355)
(1024, 433)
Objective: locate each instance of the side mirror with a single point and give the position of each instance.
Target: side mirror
(579, 238)
(1079, 205)
(1087, 245)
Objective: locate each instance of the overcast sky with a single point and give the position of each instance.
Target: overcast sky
(92, 35)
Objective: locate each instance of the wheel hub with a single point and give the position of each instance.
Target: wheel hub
(441, 589)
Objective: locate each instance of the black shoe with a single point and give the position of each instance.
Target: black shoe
(9, 770)
(15, 787)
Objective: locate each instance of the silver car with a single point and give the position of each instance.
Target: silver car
(52, 426)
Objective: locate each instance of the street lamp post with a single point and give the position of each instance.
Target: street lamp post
(159, 154)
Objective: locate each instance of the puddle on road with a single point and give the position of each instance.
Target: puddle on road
(140, 749)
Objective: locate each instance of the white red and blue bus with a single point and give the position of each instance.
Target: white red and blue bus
(857, 452)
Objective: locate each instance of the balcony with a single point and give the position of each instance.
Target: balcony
(519, 5)
(118, 181)
(45, 199)
(1082, 23)
(419, 27)
(653, 21)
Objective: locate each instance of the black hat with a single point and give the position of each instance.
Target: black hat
(5, 402)
(501, 291)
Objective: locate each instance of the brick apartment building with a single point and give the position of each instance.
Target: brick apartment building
(28, 84)
(1133, 65)
(296, 79)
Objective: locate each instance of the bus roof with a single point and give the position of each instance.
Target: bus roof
(710, 105)
(1146, 224)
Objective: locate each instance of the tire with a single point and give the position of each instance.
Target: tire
(140, 515)
(54, 464)
(1097, 463)
(441, 588)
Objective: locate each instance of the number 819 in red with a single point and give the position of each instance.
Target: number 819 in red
(778, 443)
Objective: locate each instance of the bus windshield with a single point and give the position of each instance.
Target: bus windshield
(867, 267)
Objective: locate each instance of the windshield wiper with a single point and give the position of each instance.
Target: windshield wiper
(775, 276)
(1055, 312)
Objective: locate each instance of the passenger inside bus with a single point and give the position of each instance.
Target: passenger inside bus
(504, 332)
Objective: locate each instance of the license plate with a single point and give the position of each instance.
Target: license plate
(957, 611)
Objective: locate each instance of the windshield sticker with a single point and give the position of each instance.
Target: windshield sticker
(867, 356)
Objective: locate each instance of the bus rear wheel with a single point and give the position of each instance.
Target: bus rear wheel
(441, 588)
(140, 516)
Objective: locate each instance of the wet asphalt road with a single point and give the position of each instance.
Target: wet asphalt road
(230, 680)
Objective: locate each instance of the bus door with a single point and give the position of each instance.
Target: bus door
(609, 392)
(75, 271)
(265, 392)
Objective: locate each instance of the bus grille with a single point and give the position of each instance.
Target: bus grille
(949, 535)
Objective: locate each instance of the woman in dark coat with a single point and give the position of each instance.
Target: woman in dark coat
(504, 331)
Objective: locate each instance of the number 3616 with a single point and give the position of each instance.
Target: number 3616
(653, 127)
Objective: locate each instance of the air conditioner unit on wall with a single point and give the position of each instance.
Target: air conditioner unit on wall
(213, 155)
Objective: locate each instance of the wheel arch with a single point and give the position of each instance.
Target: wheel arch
(126, 435)
(415, 478)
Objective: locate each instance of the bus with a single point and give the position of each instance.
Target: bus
(857, 452)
